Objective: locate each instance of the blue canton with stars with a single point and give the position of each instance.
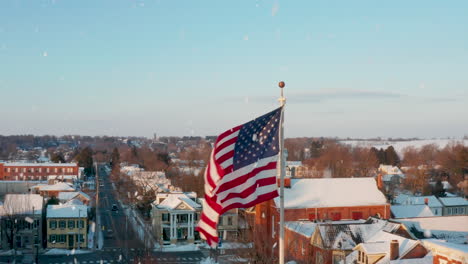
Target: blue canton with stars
(257, 139)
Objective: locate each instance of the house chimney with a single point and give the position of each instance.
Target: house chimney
(380, 181)
(394, 248)
(426, 201)
(287, 182)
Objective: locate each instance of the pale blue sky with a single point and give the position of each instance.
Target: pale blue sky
(122, 67)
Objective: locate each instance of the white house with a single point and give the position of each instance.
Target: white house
(174, 217)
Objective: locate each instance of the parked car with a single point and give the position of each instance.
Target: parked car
(114, 207)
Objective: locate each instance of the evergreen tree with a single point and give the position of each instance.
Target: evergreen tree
(115, 158)
(53, 200)
(85, 160)
(391, 157)
(438, 189)
(57, 158)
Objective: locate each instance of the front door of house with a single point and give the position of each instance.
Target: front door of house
(70, 241)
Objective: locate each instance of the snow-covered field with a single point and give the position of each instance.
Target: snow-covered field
(400, 145)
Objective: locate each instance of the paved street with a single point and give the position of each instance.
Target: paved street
(121, 243)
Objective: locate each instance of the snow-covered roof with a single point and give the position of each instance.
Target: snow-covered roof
(347, 236)
(451, 228)
(172, 201)
(22, 204)
(60, 186)
(304, 228)
(74, 202)
(332, 192)
(457, 251)
(20, 164)
(389, 169)
(453, 201)
(67, 211)
(409, 199)
(428, 259)
(380, 244)
(65, 196)
(409, 211)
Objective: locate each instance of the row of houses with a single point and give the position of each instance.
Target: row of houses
(33, 220)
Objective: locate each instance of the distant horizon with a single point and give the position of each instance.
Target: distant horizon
(204, 136)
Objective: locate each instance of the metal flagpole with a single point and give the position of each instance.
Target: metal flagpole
(282, 101)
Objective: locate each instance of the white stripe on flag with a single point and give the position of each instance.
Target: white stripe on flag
(244, 170)
(207, 228)
(210, 212)
(233, 135)
(251, 181)
(227, 163)
(225, 150)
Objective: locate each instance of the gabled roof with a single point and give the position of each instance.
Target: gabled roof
(173, 200)
(408, 211)
(409, 199)
(305, 228)
(65, 196)
(450, 228)
(329, 192)
(347, 236)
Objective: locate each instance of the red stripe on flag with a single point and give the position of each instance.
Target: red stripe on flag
(225, 144)
(242, 179)
(225, 157)
(261, 198)
(248, 191)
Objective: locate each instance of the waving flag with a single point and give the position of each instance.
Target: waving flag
(242, 171)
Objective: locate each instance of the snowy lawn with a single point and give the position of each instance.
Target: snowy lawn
(176, 248)
(208, 261)
(59, 251)
(10, 252)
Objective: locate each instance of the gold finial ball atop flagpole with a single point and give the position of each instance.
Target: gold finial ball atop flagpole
(281, 84)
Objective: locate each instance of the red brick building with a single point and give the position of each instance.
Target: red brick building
(35, 171)
(319, 200)
(447, 253)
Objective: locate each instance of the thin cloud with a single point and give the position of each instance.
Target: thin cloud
(275, 8)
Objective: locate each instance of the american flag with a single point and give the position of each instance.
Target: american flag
(241, 172)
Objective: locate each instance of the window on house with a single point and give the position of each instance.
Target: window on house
(367, 259)
(55, 169)
(61, 238)
(221, 221)
(52, 224)
(357, 215)
(52, 239)
(312, 217)
(47, 170)
(449, 211)
(336, 216)
(62, 224)
(165, 217)
(40, 170)
(80, 224)
(230, 220)
(71, 224)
